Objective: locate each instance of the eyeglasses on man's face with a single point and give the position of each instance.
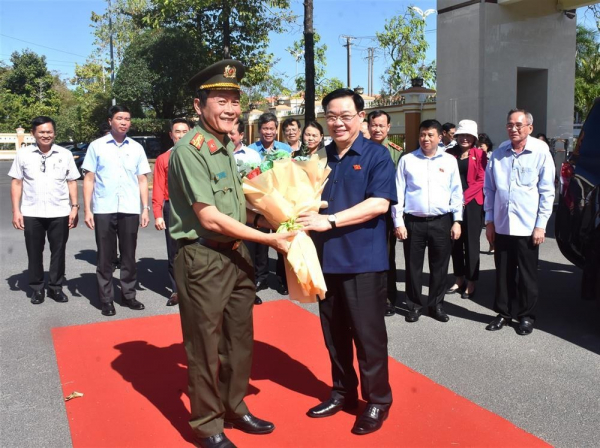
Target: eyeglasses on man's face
(517, 126)
(331, 119)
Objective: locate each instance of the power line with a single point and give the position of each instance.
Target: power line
(43, 46)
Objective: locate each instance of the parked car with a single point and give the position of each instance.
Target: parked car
(578, 215)
(152, 145)
(79, 151)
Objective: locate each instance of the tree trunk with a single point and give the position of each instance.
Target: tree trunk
(226, 30)
(309, 62)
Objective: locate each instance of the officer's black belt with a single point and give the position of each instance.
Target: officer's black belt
(216, 245)
(414, 218)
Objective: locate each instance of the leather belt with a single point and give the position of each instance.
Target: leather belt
(424, 218)
(211, 244)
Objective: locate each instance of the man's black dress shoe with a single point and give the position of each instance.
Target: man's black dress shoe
(282, 289)
(261, 285)
(413, 315)
(58, 295)
(390, 310)
(37, 297)
(133, 304)
(497, 323)
(331, 407)
(466, 295)
(217, 441)
(173, 300)
(461, 289)
(370, 420)
(439, 314)
(257, 300)
(108, 309)
(525, 326)
(250, 424)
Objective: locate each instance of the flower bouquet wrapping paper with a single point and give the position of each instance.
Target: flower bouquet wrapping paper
(289, 188)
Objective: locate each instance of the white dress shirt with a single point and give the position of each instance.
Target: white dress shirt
(247, 155)
(45, 177)
(519, 188)
(427, 186)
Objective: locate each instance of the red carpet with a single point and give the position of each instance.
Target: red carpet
(133, 376)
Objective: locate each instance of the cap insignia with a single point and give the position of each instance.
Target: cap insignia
(230, 72)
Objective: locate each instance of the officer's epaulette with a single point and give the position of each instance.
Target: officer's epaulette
(395, 146)
(197, 141)
(212, 146)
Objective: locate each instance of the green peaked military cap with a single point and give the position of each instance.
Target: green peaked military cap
(222, 75)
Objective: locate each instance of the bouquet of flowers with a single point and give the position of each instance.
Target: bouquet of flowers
(281, 188)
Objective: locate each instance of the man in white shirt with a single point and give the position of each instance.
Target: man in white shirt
(44, 203)
(112, 188)
(428, 215)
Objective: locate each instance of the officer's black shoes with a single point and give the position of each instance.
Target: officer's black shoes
(413, 315)
(261, 285)
(133, 304)
(332, 407)
(498, 323)
(58, 295)
(370, 421)
(257, 300)
(37, 297)
(108, 309)
(282, 287)
(525, 326)
(217, 441)
(250, 424)
(439, 314)
(173, 300)
(390, 310)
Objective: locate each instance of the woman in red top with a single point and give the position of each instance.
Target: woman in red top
(471, 166)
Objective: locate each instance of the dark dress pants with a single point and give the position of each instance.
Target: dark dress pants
(260, 258)
(171, 245)
(516, 255)
(433, 235)
(108, 227)
(465, 250)
(216, 297)
(392, 288)
(353, 310)
(36, 230)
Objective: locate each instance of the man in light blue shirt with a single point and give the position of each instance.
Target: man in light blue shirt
(112, 187)
(267, 129)
(519, 194)
(428, 215)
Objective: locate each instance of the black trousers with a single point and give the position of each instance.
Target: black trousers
(260, 258)
(392, 288)
(465, 250)
(353, 310)
(516, 255)
(57, 231)
(435, 236)
(171, 245)
(109, 226)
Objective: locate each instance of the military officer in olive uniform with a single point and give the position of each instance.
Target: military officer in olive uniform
(379, 127)
(213, 270)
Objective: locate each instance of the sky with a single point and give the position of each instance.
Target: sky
(61, 31)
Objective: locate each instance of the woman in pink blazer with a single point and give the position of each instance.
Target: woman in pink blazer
(471, 166)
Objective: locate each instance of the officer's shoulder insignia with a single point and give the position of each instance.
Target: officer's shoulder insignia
(395, 146)
(197, 140)
(212, 146)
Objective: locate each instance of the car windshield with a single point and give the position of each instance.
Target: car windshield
(588, 162)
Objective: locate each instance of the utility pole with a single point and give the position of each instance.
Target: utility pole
(112, 56)
(309, 62)
(370, 59)
(349, 50)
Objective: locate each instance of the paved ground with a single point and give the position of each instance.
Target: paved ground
(546, 383)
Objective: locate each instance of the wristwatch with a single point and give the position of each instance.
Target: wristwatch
(332, 219)
(146, 207)
(75, 205)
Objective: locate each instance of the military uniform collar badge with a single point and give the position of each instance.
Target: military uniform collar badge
(212, 146)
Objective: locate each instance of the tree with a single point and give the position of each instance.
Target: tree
(587, 69)
(404, 43)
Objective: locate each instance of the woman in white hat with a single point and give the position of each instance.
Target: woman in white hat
(471, 166)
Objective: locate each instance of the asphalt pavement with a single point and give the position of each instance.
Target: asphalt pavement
(546, 383)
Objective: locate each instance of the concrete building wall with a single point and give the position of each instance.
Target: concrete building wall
(484, 49)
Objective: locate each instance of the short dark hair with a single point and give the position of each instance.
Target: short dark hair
(289, 121)
(114, 110)
(202, 95)
(359, 103)
(446, 127)
(267, 117)
(175, 121)
(241, 126)
(485, 139)
(103, 129)
(313, 124)
(378, 113)
(42, 119)
(431, 124)
(543, 137)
